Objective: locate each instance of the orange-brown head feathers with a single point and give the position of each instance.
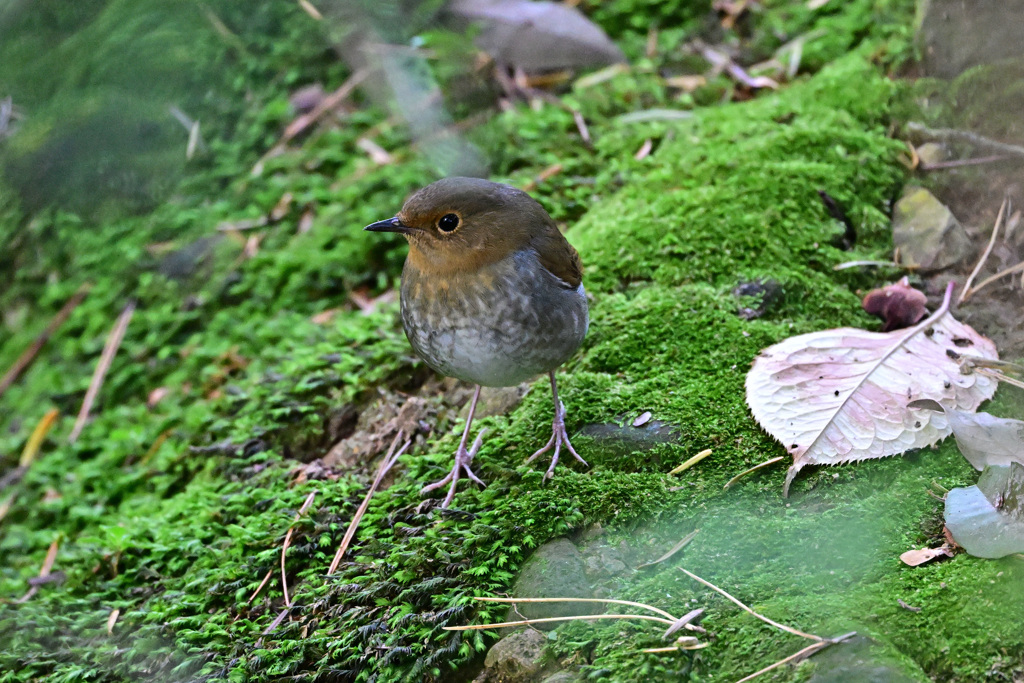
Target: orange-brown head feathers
(462, 224)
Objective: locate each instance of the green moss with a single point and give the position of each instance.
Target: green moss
(174, 514)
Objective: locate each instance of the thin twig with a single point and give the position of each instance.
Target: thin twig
(547, 620)
(106, 358)
(966, 291)
(675, 549)
(692, 461)
(51, 557)
(277, 620)
(29, 355)
(266, 578)
(948, 134)
(753, 469)
(36, 439)
(1000, 377)
(301, 123)
(288, 542)
(765, 619)
(959, 163)
(385, 465)
(989, 280)
(860, 264)
(796, 656)
(309, 9)
(586, 600)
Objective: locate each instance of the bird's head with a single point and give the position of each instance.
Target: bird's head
(460, 224)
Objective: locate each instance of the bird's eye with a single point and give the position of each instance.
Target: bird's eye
(448, 222)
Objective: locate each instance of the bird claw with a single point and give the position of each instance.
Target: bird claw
(463, 460)
(559, 436)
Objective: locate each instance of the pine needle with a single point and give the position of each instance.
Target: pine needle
(106, 358)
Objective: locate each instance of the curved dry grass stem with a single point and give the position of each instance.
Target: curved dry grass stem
(385, 466)
(547, 620)
(751, 470)
(287, 543)
(692, 461)
(763, 618)
(800, 655)
(966, 292)
(599, 600)
(106, 358)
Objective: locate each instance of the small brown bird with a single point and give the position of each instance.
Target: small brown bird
(492, 294)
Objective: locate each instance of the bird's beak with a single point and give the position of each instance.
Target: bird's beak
(390, 225)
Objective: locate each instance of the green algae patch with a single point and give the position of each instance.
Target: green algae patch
(169, 517)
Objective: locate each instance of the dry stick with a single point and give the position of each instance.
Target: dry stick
(692, 461)
(765, 619)
(36, 440)
(303, 122)
(798, 656)
(1000, 377)
(604, 601)
(51, 557)
(13, 476)
(311, 10)
(989, 280)
(546, 620)
(753, 469)
(277, 620)
(288, 542)
(948, 134)
(266, 578)
(958, 163)
(29, 355)
(385, 465)
(675, 549)
(966, 291)
(107, 357)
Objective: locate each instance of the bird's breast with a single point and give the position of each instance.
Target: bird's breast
(497, 325)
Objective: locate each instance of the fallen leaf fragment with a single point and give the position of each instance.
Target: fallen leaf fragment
(915, 558)
(839, 396)
(987, 520)
(537, 36)
(642, 419)
(898, 304)
(984, 439)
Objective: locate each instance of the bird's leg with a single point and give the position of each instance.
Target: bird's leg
(463, 458)
(558, 434)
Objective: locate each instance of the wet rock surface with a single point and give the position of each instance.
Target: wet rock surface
(516, 658)
(926, 233)
(956, 35)
(555, 570)
(858, 660)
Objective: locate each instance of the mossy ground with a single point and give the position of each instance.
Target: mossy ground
(174, 514)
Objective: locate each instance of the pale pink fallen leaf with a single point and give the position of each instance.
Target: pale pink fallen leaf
(841, 395)
(914, 558)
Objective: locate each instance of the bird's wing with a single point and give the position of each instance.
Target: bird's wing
(559, 257)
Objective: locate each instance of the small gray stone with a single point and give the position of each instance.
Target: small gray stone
(926, 233)
(555, 570)
(516, 658)
(563, 677)
(932, 153)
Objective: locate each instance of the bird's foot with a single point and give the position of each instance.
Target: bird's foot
(463, 459)
(558, 437)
